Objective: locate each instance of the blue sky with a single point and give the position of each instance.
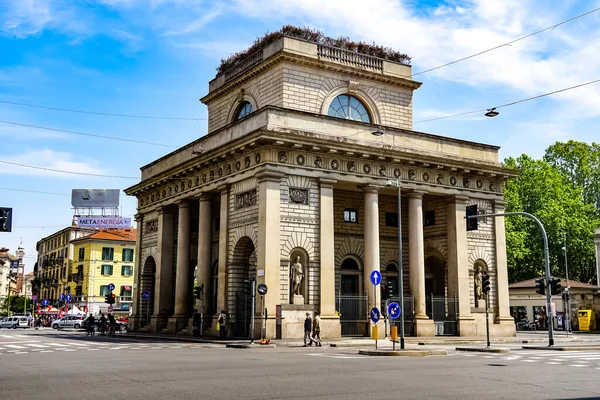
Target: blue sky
(156, 57)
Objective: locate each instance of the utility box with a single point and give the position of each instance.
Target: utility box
(587, 320)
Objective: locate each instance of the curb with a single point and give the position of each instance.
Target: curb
(483, 349)
(562, 348)
(403, 353)
(249, 346)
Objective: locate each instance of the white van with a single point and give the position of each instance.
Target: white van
(14, 322)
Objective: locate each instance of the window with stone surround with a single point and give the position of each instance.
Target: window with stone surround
(429, 218)
(351, 215)
(349, 107)
(243, 110)
(391, 219)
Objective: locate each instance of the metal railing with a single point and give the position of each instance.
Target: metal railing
(349, 57)
(443, 311)
(248, 63)
(125, 299)
(354, 313)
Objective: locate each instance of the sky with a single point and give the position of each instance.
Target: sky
(155, 58)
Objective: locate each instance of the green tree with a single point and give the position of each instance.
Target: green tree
(545, 192)
(16, 304)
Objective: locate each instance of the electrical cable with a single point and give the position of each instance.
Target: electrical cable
(34, 191)
(511, 103)
(67, 172)
(88, 134)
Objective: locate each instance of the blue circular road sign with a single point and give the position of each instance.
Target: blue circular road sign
(375, 277)
(393, 310)
(145, 294)
(61, 297)
(111, 286)
(69, 297)
(374, 314)
(45, 302)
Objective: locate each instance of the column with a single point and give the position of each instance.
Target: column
(134, 320)
(182, 276)
(163, 292)
(502, 295)
(459, 284)
(371, 235)
(223, 246)
(416, 260)
(269, 248)
(204, 251)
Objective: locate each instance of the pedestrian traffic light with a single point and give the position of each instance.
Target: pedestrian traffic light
(471, 222)
(540, 285)
(485, 283)
(555, 286)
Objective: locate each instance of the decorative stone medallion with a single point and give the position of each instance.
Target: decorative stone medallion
(351, 166)
(212, 174)
(440, 179)
(220, 171)
(493, 186)
(397, 172)
(300, 159)
(412, 175)
(189, 183)
(247, 161)
(164, 193)
(170, 190)
(142, 202)
(203, 178)
(257, 158)
(426, 177)
(176, 188)
(228, 169)
(367, 168)
(282, 157)
(335, 164)
(151, 197)
(246, 199)
(479, 183)
(453, 181)
(238, 165)
(299, 196)
(382, 170)
(319, 162)
(466, 182)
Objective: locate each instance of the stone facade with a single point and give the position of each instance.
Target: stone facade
(288, 180)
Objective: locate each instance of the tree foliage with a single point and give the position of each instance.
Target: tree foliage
(16, 304)
(544, 191)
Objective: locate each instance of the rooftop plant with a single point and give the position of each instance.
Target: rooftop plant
(314, 36)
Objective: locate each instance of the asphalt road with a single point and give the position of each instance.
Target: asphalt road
(50, 365)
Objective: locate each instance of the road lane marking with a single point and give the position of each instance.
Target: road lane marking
(47, 351)
(14, 346)
(58, 344)
(35, 345)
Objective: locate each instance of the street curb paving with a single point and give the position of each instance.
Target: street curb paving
(403, 353)
(562, 348)
(483, 349)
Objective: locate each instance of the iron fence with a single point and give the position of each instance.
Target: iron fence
(353, 315)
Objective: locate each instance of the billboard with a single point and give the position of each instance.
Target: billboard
(95, 198)
(104, 222)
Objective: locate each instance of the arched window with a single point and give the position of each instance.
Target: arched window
(349, 107)
(244, 109)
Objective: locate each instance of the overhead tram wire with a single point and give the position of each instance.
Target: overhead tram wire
(67, 172)
(511, 103)
(505, 44)
(34, 191)
(88, 134)
(101, 113)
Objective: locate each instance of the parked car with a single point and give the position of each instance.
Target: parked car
(70, 321)
(14, 322)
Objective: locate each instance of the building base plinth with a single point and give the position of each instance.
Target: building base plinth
(177, 323)
(158, 323)
(424, 328)
(467, 326)
(505, 326)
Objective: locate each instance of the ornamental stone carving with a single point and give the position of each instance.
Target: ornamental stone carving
(351, 166)
(203, 178)
(319, 162)
(440, 179)
(479, 183)
(151, 226)
(257, 158)
(228, 169)
(182, 186)
(247, 161)
(220, 171)
(189, 183)
(397, 172)
(176, 189)
(300, 159)
(246, 199)
(282, 157)
(164, 193)
(412, 175)
(170, 190)
(382, 170)
(212, 175)
(453, 181)
(238, 165)
(299, 196)
(466, 182)
(426, 177)
(492, 186)
(335, 164)
(196, 181)
(152, 197)
(142, 202)
(367, 168)
(353, 86)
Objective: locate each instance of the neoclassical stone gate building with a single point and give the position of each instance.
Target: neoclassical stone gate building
(291, 168)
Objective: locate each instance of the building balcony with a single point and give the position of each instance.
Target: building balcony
(125, 299)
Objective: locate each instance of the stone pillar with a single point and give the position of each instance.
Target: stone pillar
(416, 259)
(223, 247)
(330, 323)
(204, 252)
(269, 251)
(182, 276)
(371, 234)
(507, 323)
(134, 320)
(163, 292)
(459, 283)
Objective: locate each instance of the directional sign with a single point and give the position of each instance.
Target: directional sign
(262, 289)
(45, 302)
(375, 277)
(145, 294)
(393, 310)
(34, 297)
(69, 297)
(61, 297)
(375, 314)
(111, 286)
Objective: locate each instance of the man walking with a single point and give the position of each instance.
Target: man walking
(317, 330)
(222, 320)
(307, 329)
(196, 328)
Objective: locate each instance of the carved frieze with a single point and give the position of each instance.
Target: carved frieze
(466, 182)
(257, 158)
(319, 162)
(335, 164)
(246, 199)
(412, 174)
(151, 226)
(382, 170)
(299, 196)
(247, 161)
(300, 159)
(282, 157)
(440, 179)
(426, 177)
(453, 181)
(367, 168)
(351, 166)
(479, 183)
(397, 172)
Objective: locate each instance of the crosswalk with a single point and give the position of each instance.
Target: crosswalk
(576, 359)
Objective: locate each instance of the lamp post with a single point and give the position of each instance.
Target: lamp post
(400, 274)
(568, 309)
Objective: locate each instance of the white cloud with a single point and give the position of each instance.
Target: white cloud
(49, 159)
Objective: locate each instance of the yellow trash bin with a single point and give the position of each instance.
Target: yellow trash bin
(587, 320)
(374, 333)
(394, 333)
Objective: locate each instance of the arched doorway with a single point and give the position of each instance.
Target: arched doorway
(241, 271)
(147, 281)
(435, 281)
(350, 277)
(352, 303)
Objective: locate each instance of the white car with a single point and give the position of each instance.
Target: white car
(14, 322)
(70, 321)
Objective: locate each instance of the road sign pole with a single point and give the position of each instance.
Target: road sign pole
(253, 308)
(262, 316)
(487, 320)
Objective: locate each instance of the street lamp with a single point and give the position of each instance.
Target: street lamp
(391, 183)
(568, 310)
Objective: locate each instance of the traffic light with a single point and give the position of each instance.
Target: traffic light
(566, 296)
(112, 298)
(197, 292)
(485, 283)
(384, 292)
(555, 286)
(471, 222)
(390, 290)
(107, 299)
(5, 219)
(540, 285)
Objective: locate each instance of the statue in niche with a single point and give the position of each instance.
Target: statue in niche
(478, 285)
(297, 272)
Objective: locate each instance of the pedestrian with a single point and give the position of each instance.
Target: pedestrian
(222, 321)
(196, 323)
(316, 334)
(307, 329)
